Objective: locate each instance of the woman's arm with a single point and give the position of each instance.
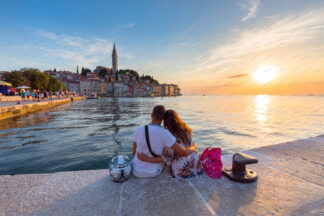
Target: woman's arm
(134, 148)
(143, 157)
(184, 152)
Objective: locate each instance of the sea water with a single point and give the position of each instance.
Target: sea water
(87, 134)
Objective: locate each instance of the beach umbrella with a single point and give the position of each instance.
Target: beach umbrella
(5, 83)
(23, 87)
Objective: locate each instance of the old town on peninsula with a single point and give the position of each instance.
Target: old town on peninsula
(111, 82)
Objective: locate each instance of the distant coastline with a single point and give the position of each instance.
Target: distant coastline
(102, 81)
(123, 83)
(315, 95)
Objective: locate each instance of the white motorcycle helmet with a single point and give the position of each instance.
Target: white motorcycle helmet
(120, 168)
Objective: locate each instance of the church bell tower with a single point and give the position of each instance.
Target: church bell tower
(114, 60)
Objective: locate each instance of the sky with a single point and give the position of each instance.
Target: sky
(207, 47)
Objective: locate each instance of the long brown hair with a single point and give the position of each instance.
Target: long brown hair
(176, 126)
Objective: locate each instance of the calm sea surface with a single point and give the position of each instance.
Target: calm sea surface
(86, 134)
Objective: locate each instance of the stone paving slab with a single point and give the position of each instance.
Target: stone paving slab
(295, 166)
(280, 189)
(162, 196)
(11, 187)
(307, 149)
(303, 159)
(66, 193)
(275, 193)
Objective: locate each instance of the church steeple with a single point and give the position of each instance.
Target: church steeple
(114, 60)
(114, 50)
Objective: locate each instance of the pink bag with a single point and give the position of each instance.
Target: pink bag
(211, 160)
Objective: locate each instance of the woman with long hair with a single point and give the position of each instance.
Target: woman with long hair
(179, 167)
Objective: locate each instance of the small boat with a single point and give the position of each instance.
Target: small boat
(93, 96)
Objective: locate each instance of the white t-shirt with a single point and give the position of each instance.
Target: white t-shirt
(159, 138)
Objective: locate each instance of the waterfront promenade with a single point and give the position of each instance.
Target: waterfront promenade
(291, 182)
(9, 109)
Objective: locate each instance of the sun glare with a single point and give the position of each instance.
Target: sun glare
(265, 74)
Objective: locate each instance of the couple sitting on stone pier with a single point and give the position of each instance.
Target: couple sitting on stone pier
(155, 146)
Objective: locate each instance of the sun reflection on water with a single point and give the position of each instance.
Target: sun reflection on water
(261, 107)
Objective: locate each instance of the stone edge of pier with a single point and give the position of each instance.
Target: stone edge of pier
(291, 182)
(20, 109)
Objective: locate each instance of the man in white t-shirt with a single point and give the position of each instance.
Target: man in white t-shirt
(159, 138)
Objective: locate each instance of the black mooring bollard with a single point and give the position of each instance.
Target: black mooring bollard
(238, 171)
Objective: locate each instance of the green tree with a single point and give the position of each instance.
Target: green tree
(82, 71)
(63, 87)
(54, 84)
(129, 72)
(85, 71)
(103, 72)
(36, 78)
(150, 78)
(41, 81)
(15, 78)
(29, 73)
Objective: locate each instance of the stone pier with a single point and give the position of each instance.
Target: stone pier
(291, 182)
(9, 109)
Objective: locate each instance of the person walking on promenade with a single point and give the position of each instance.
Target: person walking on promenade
(45, 95)
(32, 94)
(38, 96)
(41, 96)
(150, 140)
(50, 93)
(27, 94)
(23, 95)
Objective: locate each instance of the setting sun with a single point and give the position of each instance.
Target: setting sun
(265, 74)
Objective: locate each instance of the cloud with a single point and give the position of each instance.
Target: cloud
(71, 41)
(130, 25)
(251, 43)
(120, 27)
(252, 7)
(238, 75)
(60, 39)
(187, 44)
(46, 34)
(99, 45)
(88, 52)
(126, 55)
(291, 42)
